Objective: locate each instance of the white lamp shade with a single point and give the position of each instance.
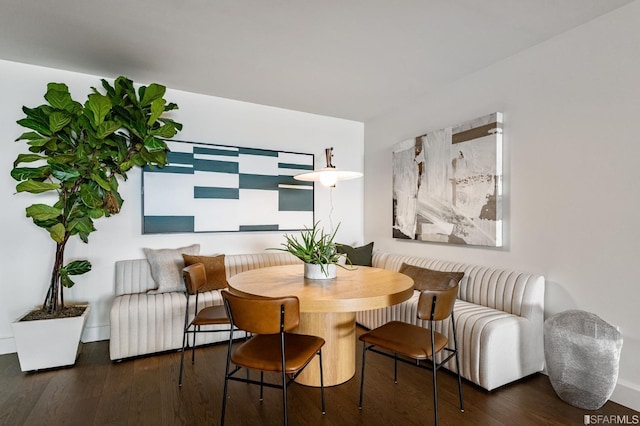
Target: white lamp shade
(327, 176)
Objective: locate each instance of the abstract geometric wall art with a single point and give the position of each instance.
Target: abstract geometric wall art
(216, 188)
(447, 184)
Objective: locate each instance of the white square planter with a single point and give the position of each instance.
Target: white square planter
(48, 343)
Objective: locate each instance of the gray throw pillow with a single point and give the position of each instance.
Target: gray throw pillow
(166, 267)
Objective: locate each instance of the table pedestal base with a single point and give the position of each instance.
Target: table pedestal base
(339, 351)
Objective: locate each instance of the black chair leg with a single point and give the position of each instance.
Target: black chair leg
(321, 381)
(193, 346)
(226, 380)
(184, 340)
(284, 396)
(395, 368)
(364, 353)
(455, 348)
(261, 385)
(435, 372)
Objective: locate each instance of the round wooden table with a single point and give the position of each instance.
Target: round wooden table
(328, 308)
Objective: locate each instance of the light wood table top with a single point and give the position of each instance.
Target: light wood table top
(360, 289)
(328, 307)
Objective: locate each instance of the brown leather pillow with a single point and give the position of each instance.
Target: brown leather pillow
(214, 267)
(428, 279)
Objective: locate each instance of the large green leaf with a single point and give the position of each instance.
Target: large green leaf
(66, 281)
(106, 128)
(58, 120)
(154, 144)
(27, 158)
(77, 267)
(100, 106)
(35, 125)
(157, 108)
(108, 88)
(81, 225)
(58, 96)
(170, 106)
(170, 121)
(39, 114)
(151, 93)
(36, 187)
(43, 212)
(57, 232)
(95, 213)
(29, 136)
(63, 172)
(156, 158)
(40, 142)
(167, 131)
(125, 166)
(24, 173)
(90, 196)
(101, 181)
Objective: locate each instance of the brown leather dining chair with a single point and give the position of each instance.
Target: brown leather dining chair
(414, 343)
(195, 277)
(272, 347)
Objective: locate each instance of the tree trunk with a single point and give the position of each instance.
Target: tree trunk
(54, 300)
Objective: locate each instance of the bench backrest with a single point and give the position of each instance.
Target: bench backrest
(518, 293)
(134, 275)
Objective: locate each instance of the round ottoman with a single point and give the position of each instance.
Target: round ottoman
(582, 352)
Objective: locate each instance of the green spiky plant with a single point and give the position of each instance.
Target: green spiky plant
(314, 245)
(79, 151)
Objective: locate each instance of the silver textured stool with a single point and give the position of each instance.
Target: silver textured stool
(582, 352)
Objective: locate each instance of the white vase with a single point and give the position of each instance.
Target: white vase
(314, 271)
(48, 343)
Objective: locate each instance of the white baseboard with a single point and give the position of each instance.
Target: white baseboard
(7, 345)
(96, 333)
(627, 394)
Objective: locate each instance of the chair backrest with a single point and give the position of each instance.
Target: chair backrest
(194, 276)
(437, 304)
(262, 315)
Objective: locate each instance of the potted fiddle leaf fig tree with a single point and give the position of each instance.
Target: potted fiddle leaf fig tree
(78, 152)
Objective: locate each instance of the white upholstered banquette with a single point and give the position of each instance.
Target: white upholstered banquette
(144, 323)
(499, 319)
(499, 314)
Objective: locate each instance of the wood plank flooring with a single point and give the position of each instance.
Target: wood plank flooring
(144, 391)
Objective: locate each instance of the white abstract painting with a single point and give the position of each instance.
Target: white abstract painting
(447, 184)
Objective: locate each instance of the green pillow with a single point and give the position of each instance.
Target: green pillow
(357, 255)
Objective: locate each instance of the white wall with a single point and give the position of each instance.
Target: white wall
(572, 181)
(26, 252)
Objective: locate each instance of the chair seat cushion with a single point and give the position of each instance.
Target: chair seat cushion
(211, 315)
(406, 339)
(262, 352)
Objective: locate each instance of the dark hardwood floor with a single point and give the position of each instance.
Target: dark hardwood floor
(144, 391)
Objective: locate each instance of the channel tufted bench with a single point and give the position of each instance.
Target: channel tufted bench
(144, 323)
(499, 319)
(499, 314)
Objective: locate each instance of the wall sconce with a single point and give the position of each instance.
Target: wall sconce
(329, 175)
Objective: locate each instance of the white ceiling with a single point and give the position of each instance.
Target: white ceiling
(353, 59)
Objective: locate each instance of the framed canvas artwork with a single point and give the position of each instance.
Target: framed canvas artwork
(214, 188)
(447, 184)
